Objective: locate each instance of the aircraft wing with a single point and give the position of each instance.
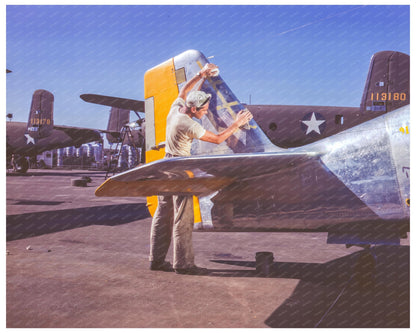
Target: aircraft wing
(200, 175)
(77, 132)
(118, 102)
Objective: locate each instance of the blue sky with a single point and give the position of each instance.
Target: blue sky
(280, 54)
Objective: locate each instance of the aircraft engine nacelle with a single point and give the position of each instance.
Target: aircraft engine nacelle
(40, 123)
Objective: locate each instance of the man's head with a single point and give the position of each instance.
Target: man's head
(197, 103)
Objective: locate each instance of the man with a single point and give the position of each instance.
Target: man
(175, 214)
(13, 162)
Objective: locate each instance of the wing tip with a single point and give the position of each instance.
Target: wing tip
(104, 189)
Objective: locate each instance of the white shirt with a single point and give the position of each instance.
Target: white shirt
(181, 130)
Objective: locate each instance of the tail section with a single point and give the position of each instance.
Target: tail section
(162, 84)
(118, 118)
(40, 123)
(388, 81)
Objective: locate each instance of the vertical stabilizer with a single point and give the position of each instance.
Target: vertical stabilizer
(40, 123)
(162, 85)
(223, 109)
(388, 82)
(118, 118)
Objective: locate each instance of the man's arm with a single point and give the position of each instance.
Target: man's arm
(203, 73)
(243, 117)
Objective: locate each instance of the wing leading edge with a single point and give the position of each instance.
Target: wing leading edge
(201, 175)
(79, 133)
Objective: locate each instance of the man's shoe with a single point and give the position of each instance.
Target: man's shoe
(161, 266)
(194, 270)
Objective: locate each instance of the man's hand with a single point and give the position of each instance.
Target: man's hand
(243, 117)
(209, 70)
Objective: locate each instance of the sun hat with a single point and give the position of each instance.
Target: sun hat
(197, 98)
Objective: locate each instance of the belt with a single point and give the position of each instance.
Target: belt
(168, 155)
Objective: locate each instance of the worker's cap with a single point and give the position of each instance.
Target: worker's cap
(197, 98)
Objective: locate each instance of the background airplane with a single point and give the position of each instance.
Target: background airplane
(120, 129)
(354, 184)
(387, 88)
(40, 134)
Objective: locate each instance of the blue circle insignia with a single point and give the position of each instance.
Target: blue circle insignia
(313, 123)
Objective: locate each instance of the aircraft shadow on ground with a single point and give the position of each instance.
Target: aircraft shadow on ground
(36, 224)
(78, 173)
(333, 294)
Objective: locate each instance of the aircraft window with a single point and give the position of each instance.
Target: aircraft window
(339, 119)
(272, 126)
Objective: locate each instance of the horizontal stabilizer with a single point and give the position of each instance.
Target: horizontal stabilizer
(76, 132)
(80, 135)
(200, 175)
(118, 102)
(149, 187)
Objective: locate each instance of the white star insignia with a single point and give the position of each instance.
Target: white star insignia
(313, 124)
(29, 139)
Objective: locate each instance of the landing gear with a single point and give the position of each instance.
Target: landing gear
(20, 164)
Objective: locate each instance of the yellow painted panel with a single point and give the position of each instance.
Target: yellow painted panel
(197, 211)
(152, 204)
(154, 155)
(160, 83)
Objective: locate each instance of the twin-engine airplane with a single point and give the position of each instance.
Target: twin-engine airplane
(40, 134)
(387, 88)
(354, 184)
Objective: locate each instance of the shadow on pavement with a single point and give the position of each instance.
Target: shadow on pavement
(59, 173)
(334, 295)
(36, 224)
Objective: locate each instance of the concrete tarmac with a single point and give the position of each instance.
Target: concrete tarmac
(78, 261)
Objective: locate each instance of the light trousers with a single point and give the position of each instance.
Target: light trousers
(174, 216)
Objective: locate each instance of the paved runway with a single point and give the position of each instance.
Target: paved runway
(75, 260)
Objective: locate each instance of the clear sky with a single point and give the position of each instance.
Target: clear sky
(280, 54)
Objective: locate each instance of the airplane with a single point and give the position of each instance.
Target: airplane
(387, 88)
(40, 134)
(354, 184)
(120, 130)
